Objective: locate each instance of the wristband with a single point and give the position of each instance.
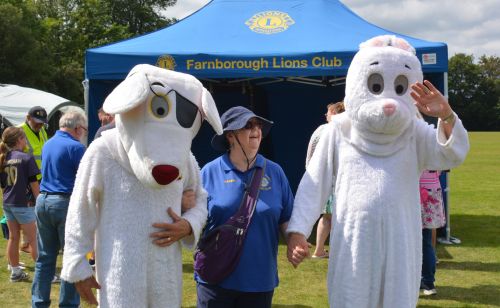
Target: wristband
(449, 119)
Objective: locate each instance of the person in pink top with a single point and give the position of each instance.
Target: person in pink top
(433, 217)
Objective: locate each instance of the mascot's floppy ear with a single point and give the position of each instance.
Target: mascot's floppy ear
(210, 111)
(129, 94)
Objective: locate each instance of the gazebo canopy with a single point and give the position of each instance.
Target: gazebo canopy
(255, 38)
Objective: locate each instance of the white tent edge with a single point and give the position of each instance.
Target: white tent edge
(15, 102)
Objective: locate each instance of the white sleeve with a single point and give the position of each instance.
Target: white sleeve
(81, 220)
(435, 151)
(315, 186)
(196, 216)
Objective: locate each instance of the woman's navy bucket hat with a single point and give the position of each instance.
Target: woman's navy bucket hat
(236, 118)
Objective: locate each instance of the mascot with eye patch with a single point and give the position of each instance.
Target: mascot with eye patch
(373, 154)
(127, 181)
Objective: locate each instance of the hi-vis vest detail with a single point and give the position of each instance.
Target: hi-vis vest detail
(35, 144)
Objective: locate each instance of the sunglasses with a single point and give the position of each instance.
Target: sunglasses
(253, 124)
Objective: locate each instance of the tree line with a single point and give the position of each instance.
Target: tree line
(43, 42)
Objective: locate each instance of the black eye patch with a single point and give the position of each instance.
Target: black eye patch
(186, 111)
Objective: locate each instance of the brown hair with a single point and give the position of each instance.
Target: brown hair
(338, 107)
(9, 140)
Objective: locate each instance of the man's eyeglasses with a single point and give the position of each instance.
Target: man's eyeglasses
(252, 124)
(84, 128)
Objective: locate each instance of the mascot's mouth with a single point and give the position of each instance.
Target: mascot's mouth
(165, 174)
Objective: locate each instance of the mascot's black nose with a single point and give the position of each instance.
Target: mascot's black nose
(165, 174)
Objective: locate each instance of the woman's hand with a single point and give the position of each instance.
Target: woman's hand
(431, 102)
(298, 248)
(171, 232)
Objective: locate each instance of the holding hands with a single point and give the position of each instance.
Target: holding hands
(298, 248)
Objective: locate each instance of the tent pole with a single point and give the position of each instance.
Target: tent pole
(85, 85)
(447, 188)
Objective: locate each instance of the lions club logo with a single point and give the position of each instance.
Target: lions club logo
(166, 61)
(266, 183)
(269, 22)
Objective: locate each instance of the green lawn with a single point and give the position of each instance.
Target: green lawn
(468, 275)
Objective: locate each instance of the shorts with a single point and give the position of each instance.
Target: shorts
(23, 215)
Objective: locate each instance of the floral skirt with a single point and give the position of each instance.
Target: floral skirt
(432, 208)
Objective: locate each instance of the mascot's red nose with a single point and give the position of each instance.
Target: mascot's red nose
(165, 174)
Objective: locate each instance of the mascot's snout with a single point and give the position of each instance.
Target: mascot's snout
(165, 174)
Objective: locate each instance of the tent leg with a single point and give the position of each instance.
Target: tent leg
(448, 239)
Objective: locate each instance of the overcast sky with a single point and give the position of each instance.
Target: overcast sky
(467, 26)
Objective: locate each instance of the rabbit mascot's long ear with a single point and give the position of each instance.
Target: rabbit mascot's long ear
(158, 113)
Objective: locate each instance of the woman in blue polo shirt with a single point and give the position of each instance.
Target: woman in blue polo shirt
(253, 281)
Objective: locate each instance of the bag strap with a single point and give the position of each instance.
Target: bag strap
(250, 197)
(253, 192)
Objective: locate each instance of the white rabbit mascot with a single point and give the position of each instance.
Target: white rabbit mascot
(374, 154)
(127, 180)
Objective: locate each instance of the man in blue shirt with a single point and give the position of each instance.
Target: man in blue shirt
(61, 156)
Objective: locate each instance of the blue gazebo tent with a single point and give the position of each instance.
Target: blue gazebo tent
(286, 59)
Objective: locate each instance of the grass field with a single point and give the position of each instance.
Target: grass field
(468, 274)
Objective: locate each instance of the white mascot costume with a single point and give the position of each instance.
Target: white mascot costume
(374, 154)
(126, 181)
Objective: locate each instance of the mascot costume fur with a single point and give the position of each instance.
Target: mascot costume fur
(126, 181)
(374, 154)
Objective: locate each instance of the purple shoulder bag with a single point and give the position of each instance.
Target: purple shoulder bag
(219, 251)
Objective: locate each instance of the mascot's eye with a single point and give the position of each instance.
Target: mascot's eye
(401, 85)
(159, 106)
(376, 83)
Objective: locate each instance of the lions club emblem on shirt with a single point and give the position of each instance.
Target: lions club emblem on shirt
(265, 184)
(269, 22)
